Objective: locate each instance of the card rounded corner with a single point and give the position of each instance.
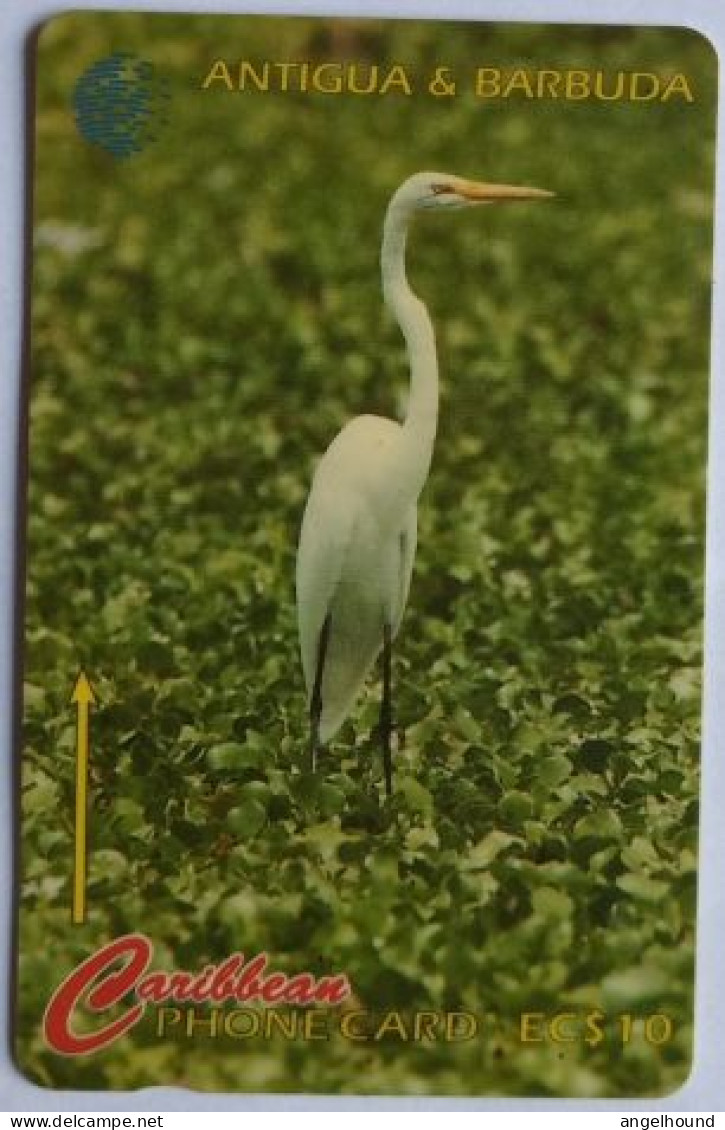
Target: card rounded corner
(49, 23)
(696, 32)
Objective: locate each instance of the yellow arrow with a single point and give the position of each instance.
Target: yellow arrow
(84, 698)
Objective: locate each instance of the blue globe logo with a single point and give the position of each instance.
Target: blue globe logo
(120, 103)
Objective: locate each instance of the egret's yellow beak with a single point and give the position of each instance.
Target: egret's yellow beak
(499, 193)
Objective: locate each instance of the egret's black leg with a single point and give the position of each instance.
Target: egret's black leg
(386, 709)
(316, 700)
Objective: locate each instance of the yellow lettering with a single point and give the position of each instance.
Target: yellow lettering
(218, 71)
(643, 86)
(460, 1026)
(284, 70)
(284, 1022)
(678, 84)
(577, 85)
(393, 1022)
(547, 84)
(424, 1025)
(357, 87)
(320, 81)
(519, 80)
(349, 1027)
(396, 78)
(211, 1022)
(657, 1028)
(315, 1026)
(608, 96)
(530, 1031)
(165, 1018)
(241, 1023)
(558, 1031)
(247, 75)
(488, 82)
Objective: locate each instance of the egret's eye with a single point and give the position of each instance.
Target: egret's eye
(440, 189)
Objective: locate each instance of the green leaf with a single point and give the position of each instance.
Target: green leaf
(486, 850)
(642, 887)
(552, 903)
(418, 839)
(257, 790)
(595, 755)
(637, 986)
(515, 807)
(604, 824)
(640, 855)
(553, 769)
(418, 798)
(247, 819)
(330, 799)
(229, 757)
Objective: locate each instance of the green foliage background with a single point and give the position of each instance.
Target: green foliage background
(205, 317)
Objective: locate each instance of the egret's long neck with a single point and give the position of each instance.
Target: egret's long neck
(421, 420)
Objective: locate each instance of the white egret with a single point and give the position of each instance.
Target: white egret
(358, 536)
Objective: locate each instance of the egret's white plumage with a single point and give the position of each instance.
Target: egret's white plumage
(358, 536)
(355, 560)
